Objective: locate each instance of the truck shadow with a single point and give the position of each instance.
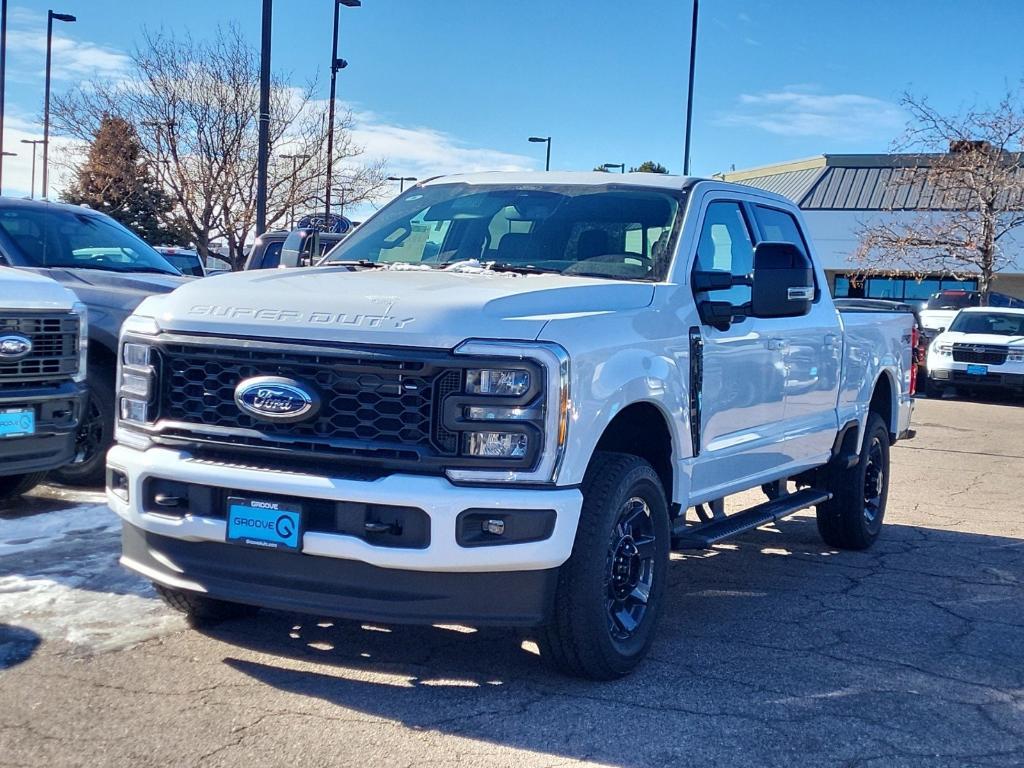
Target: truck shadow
(17, 644)
(769, 647)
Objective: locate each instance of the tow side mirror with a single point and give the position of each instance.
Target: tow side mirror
(783, 281)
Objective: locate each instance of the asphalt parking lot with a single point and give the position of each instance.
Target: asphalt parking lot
(774, 650)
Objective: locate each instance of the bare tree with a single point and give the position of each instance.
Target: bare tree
(968, 179)
(194, 105)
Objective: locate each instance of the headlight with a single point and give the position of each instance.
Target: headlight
(136, 373)
(1015, 356)
(500, 382)
(511, 416)
(513, 445)
(942, 350)
(79, 309)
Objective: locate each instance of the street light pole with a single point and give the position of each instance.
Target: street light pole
(3, 80)
(401, 181)
(263, 149)
(543, 140)
(620, 166)
(34, 143)
(689, 91)
(336, 64)
(50, 17)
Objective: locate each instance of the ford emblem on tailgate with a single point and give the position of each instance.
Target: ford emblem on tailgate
(275, 398)
(14, 347)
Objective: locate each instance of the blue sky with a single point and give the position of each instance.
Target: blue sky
(444, 85)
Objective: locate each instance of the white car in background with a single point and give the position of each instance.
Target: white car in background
(983, 348)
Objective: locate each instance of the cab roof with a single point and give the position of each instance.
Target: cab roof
(595, 178)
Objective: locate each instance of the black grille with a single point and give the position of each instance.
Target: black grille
(370, 403)
(54, 346)
(976, 353)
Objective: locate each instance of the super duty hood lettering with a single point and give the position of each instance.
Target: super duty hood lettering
(354, 319)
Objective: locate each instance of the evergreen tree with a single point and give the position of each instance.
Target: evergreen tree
(113, 179)
(649, 166)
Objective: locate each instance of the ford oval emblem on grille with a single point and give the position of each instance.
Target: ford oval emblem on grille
(14, 347)
(275, 398)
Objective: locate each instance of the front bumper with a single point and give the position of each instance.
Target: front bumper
(341, 574)
(58, 410)
(994, 378)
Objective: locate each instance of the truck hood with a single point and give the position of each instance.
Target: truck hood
(423, 308)
(23, 290)
(983, 339)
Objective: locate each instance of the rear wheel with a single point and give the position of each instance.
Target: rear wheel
(610, 591)
(203, 611)
(95, 433)
(12, 486)
(852, 518)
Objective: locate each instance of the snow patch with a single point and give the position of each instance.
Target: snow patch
(60, 577)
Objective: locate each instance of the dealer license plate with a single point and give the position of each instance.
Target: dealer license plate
(17, 422)
(977, 370)
(266, 524)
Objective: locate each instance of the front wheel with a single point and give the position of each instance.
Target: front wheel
(610, 591)
(95, 433)
(203, 611)
(852, 518)
(13, 486)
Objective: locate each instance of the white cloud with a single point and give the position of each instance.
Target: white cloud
(802, 111)
(73, 59)
(422, 151)
(17, 171)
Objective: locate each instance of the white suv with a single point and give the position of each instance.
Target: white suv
(983, 348)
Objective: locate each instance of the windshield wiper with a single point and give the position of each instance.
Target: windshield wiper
(354, 263)
(523, 269)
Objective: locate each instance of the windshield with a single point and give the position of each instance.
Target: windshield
(953, 300)
(187, 263)
(600, 231)
(54, 237)
(998, 323)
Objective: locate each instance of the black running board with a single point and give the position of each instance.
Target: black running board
(703, 535)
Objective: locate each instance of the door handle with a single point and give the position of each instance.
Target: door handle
(832, 339)
(776, 344)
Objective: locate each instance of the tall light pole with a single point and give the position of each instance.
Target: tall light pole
(50, 18)
(542, 140)
(34, 143)
(401, 181)
(336, 64)
(689, 90)
(620, 166)
(263, 139)
(295, 164)
(3, 80)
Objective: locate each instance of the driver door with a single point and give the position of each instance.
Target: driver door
(742, 397)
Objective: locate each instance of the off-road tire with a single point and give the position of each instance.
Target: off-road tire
(203, 611)
(579, 639)
(89, 466)
(844, 521)
(13, 486)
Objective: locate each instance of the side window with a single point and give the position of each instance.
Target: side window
(725, 245)
(778, 227)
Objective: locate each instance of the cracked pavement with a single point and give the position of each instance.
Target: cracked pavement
(773, 651)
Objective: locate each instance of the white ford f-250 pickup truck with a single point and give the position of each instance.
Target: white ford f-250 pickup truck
(498, 403)
(43, 343)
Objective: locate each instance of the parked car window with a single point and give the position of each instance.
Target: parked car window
(725, 245)
(999, 323)
(272, 255)
(953, 300)
(67, 238)
(571, 229)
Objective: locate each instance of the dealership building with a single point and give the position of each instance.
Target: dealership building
(841, 194)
